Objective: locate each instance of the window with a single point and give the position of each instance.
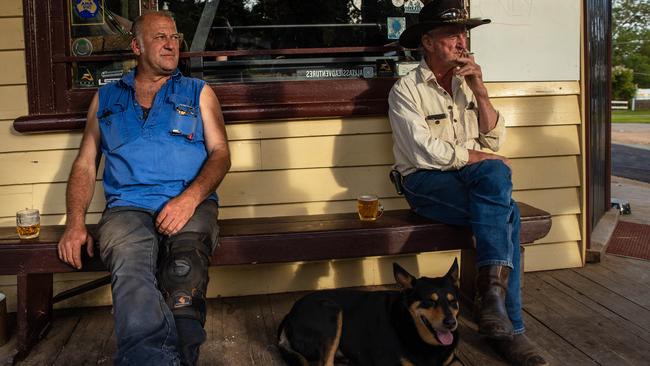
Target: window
(264, 58)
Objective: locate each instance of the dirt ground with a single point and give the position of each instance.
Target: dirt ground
(637, 134)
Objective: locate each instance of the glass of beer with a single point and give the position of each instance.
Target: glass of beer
(28, 223)
(368, 207)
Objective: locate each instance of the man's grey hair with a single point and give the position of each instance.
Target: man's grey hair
(137, 23)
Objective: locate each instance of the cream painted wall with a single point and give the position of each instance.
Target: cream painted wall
(307, 167)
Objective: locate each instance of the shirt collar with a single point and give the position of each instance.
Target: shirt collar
(129, 78)
(427, 75)
(425, 72)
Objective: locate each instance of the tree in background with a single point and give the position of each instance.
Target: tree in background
(623, 87)
(631, 40)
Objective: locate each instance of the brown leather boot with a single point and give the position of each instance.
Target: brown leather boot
(491, 285)
(520, 351)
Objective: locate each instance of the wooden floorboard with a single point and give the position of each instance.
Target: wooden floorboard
(633, 289)
(606, 340)
(86, 343)
(211, 352)
(597, 315)
(556, 350)
(48, 349)
(594, 304)
(634, 270)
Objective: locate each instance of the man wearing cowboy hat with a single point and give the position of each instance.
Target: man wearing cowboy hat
(441, 116)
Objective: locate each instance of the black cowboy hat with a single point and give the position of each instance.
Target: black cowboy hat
(437, 13)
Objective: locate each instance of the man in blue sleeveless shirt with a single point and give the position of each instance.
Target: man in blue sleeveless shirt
(166, 151)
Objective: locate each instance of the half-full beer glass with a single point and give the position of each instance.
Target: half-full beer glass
(368, 207)
(28, 223)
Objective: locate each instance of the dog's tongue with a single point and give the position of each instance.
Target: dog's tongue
(445, 337)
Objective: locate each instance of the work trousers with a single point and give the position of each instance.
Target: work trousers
(147, 332)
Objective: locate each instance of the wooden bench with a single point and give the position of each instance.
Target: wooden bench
(252, 241)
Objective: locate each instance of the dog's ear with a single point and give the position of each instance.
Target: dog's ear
(453, 273)
(402, 277)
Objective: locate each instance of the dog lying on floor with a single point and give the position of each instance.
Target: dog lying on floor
(414, 326)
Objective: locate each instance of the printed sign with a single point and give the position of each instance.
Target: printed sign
(385, 67)
(94, 74)
(403, 68)
(86, 79)
(413, 6)
(86, 12)
(396, 26)
(365, 72)
(108, 76)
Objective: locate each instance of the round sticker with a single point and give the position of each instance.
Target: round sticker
(398, 3)
(82, 47)
(86, 8)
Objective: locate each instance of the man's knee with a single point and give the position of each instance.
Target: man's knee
(494, 172)
(494, 166)
(124, 227)
(128, 238)
(183, 274)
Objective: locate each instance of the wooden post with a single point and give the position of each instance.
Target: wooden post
(468, 275)
(33, 309)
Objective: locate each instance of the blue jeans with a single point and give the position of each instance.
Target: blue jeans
(147, 333)
(480, 196)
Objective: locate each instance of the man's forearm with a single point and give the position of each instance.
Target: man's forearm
(210, 176)
(81, 186)
(487, 114)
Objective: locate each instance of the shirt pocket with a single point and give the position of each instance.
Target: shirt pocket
(440, 126)
(114, 129)
(184, 120)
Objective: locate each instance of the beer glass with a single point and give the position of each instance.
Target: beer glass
(368, 207)
(28, 223)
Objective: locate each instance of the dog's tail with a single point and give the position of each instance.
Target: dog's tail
(290, 356)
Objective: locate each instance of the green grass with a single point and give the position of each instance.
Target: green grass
(630, 116)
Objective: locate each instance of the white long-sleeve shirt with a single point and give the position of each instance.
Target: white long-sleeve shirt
(433, 130)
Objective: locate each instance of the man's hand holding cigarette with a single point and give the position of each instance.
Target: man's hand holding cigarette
(468, 68)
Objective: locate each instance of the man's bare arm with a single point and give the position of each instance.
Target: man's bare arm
(79, 193)
(179, 210)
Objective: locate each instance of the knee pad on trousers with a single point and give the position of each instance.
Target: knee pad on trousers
(183, 274)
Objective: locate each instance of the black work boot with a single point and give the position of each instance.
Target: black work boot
(520, 351)
(491, 285)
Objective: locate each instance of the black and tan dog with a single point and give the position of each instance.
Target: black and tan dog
(414, 326)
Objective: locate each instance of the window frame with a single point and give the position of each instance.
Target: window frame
(55, 105)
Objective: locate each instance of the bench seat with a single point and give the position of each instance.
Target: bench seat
(253, 241)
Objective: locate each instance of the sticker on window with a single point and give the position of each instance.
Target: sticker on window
(395, 26)
(87, 12)
(82, 47)
(365, 72)
(412, 6)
